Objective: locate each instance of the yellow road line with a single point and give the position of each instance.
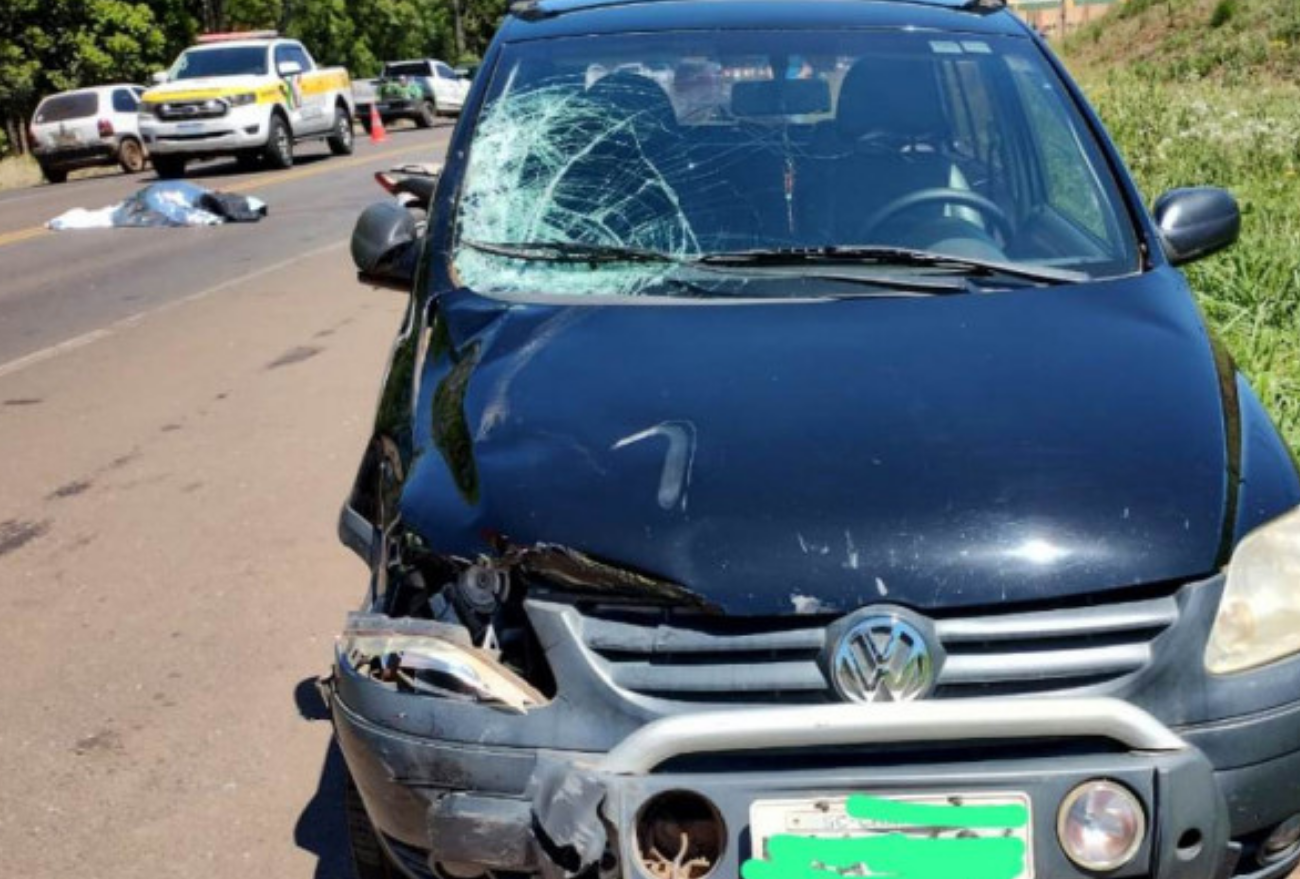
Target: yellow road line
(322, 167)
(21, 235)
(319, 167)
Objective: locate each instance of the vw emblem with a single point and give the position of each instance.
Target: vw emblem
(883, 656)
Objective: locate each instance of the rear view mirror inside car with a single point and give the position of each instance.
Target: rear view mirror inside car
(781, 97)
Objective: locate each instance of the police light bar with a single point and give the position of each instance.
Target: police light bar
(238, 35)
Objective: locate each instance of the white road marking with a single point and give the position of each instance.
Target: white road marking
(117, 326)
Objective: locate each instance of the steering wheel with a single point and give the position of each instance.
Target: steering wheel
(942, 195)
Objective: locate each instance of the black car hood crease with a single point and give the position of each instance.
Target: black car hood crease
(821, 456)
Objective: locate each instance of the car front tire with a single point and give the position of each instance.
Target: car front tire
(368, 858)
(428, 115)
(279, 144)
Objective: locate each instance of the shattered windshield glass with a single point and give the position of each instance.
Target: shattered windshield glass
(626, 164)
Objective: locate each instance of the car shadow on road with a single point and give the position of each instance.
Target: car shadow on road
(322, 826)
(230, 168)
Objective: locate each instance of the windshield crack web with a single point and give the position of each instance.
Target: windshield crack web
(601, 166)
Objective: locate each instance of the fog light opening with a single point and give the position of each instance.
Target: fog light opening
(679, 835)
(1282, 843)
(1189, 844)
(1101, 826)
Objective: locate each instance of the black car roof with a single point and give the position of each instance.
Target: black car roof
(534, 19)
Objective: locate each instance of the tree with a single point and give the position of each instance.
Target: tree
(53, 45)
(481, 18)
(254, 15)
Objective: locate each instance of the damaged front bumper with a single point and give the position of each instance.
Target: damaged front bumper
(461, 809)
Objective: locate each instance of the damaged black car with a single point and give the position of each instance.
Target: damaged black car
(802, 457)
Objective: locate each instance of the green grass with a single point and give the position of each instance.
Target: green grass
(17, 172)
(1246, 139)
(1232, 42)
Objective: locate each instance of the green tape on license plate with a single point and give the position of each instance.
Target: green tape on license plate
(982, 835)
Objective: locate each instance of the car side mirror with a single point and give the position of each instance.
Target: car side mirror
(1196, 222)
(289, 68)
(159, 77)
(384, 246)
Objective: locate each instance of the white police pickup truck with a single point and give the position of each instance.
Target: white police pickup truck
(250, 95)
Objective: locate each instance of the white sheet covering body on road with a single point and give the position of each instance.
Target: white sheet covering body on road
(173, 203)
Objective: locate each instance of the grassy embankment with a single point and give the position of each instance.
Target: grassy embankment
(1208, 92)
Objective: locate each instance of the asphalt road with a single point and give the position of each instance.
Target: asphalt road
(181, 412)
(55, 286)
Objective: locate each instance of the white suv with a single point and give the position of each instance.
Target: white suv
(94, 126)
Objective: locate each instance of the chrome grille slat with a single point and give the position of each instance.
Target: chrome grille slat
(631, 638)
(1032, 666)
(1158, 613)
(721, 679)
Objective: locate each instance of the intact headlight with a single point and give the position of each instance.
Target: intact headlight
(1259, 615)
(241, 99)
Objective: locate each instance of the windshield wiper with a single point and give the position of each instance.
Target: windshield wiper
(889, 256)
(723, 264)
(572, 251)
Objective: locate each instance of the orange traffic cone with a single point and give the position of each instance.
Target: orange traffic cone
(377, 133)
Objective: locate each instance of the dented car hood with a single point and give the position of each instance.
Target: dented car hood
(821, 456)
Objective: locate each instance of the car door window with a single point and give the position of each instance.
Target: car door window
(444, 72)
(980, 149)
(299, 54)
(291, 52)
(124, 101)
(1071, 186)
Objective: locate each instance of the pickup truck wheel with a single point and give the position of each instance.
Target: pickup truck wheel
(368, 858)
(54, 175)
(340, 140)
(168, 167)
(130, 155)
(279, 144)
(428, 115)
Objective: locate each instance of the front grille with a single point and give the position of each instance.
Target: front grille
(181, 111)
(709, 659)
(203, 135)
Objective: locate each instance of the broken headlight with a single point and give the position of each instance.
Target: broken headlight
(1259, 615)
(433, 659)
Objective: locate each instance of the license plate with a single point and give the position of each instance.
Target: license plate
(190, 127)
(895, 831)
(67, 138)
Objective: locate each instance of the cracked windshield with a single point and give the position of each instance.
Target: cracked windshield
(681, 164)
